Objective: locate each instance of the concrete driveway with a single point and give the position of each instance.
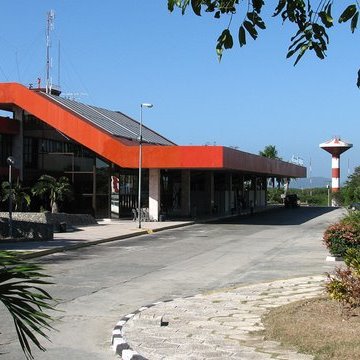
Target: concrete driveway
(99, 284)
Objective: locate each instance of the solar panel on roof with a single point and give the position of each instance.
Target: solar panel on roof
(116, 123)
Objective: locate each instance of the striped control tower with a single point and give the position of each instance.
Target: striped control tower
(335, 147)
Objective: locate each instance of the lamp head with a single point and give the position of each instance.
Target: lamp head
(147, 105)
(10, 160)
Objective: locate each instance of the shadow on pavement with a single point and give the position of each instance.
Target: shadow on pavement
(278, 216)
(39, 245)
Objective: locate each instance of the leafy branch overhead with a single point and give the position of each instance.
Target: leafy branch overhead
(311, 22)
(22, 294)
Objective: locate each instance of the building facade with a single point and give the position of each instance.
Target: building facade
(98, 150)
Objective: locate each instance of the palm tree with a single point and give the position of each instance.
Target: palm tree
(19, 195)
(25, 300)
(271, 152)
(56, 189)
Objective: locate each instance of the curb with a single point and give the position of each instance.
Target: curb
(118, 341)
(40, 253)
(100, 241)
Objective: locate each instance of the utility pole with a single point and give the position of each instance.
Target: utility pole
(49, 28)
(310, 170)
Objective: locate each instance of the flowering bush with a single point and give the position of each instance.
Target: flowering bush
(344, 285)
(340, 237)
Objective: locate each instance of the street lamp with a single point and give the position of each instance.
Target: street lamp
(11, 161)
(328, 194)
(140, 158)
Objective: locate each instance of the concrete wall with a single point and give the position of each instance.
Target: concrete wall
(40, 226)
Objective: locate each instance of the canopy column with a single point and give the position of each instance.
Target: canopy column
(210, 192)
(154, 194)
(185, 193)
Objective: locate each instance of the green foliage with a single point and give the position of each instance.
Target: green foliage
(19, 195)
(352, 218)
(312, 197)
(270, 152)
(311, 22)
(351, 190)
(315, 197)
(274, 196)
(344, 285)
(352, 260)
(26, 301)
(344, 238)
(338, 198)
(57, 190)
(335, 286)
(340, 237)
(350, 13)
(225, 41)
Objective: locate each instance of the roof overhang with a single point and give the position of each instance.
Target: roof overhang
(120, 152)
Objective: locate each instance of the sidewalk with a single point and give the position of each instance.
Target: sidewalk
(105, 231)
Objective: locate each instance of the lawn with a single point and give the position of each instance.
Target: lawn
(317, 326)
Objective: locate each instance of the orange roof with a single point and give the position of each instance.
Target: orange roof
(122, 152)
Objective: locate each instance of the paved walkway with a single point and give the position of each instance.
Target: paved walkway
(217, 325)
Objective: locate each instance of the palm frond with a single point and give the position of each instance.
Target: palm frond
(26, 301)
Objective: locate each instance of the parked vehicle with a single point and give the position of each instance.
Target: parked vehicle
(291, 200)
(354, 206)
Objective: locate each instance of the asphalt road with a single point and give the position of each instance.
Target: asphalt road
(98, 285)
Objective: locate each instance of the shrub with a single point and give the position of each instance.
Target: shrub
(352, 218)
(20, 198)
(344, 285)
(274, 196)
(340, 237)
(56, 189)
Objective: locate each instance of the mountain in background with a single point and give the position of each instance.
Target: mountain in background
(308, 183)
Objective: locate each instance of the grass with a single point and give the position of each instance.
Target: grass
(317, 326)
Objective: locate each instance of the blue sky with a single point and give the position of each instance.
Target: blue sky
(118, 54)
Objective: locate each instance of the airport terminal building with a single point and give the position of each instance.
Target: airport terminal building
(98, 150)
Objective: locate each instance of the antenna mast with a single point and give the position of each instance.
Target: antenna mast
(58, 83)
(49, 27)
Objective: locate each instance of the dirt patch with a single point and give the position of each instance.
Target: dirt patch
(317, 326)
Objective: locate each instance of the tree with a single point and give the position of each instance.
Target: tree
(311, 22)
(25, 300)
(19, 195)
(270, 152)
(56, 190)
(351, 190)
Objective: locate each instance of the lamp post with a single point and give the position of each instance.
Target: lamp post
(11, 161)
(328, 194)
(140, 158)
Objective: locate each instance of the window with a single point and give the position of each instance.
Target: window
(5, 148)
(30, 153)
